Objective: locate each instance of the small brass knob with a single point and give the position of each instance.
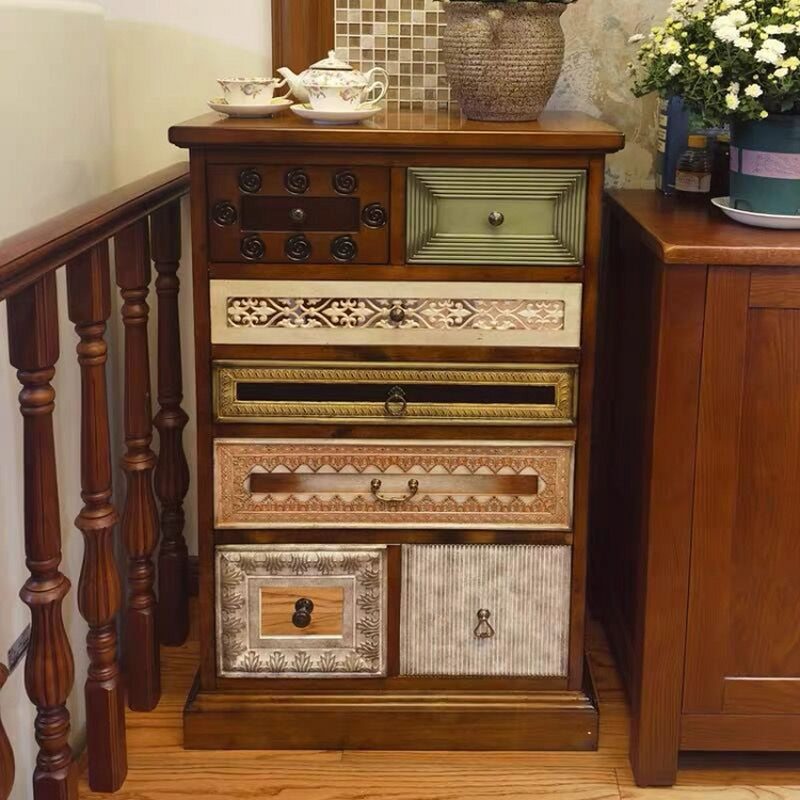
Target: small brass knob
(297, 215)
(397, 314)
(496, 219)
(302, 612)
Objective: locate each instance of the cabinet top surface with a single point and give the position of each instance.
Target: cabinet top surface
(404, 129)
(681, 232)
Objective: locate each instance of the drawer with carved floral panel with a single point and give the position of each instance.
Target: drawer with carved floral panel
(303, 611)
(298, 214)
(322, 483)
(396, 313)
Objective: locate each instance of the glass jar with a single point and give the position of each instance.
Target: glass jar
(693, 176)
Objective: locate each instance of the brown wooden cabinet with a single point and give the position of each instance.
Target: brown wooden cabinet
(697, 534)
(395, 369)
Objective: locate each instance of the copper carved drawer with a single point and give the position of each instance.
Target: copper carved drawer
(388, 393)
(305, 483)
(298, 214)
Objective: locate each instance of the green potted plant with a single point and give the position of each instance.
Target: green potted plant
(736, 61)
(503, 57)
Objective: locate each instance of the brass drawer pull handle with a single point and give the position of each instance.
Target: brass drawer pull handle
(302, 612)
(496, 219)
(375, 488)
(396, 403)
(297, 215)
(483, 630)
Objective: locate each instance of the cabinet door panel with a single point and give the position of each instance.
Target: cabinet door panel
(743, 648)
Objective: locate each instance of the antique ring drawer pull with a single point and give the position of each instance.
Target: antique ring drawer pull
(396, 402)
(397, 314)
(302, 612)
(375, 488)
(483, 630)
(297, 215)
(496, 219)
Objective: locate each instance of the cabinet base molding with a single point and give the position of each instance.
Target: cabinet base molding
(409, 720)
(762, 732)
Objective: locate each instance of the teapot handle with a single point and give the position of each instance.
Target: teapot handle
(373, 84)
(279, 85)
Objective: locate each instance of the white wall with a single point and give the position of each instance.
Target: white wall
(54, 153)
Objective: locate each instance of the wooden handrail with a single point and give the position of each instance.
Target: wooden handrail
(27, 256)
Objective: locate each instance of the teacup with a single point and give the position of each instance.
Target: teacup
(348, 94)
(250, 91)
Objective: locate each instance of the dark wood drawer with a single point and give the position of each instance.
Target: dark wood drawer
(272, 214)
(450, 394)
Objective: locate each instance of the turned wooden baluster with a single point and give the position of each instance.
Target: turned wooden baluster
(140, 516)
(49, 669)
(172, 471)
(89, 301)
(6, 755)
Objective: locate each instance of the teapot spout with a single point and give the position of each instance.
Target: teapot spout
(296, 85)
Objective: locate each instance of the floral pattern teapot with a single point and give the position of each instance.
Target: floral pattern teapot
(333, 85)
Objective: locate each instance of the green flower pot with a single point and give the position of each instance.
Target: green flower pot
(765, 165)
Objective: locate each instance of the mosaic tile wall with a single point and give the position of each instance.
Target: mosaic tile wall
(401, 35)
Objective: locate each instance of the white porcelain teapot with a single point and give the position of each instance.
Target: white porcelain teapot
(333, 85)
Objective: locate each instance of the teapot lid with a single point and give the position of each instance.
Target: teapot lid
(332, 62)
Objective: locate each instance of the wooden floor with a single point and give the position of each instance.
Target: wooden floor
(161, 770)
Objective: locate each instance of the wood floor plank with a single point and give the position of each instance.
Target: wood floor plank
(160, 769)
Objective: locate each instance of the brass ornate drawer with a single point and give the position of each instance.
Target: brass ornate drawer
(530, 217)
(401, 313)
(394, 393)
(303, 483)
(304, 611)
(485, 610)
(267, 213)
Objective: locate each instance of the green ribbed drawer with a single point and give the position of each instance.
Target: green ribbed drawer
(539, 216)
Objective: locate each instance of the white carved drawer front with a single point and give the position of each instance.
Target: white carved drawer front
(301, 611)
(380, 313)
(485, 610)
(300, 483)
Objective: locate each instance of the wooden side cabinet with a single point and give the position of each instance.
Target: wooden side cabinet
(697, 529)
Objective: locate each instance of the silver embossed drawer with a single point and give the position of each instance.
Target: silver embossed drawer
(473, 610)
(301, 611)
(400, 313)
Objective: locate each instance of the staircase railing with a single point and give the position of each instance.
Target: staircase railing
(143, 219)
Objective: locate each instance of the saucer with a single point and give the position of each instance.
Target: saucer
(786, 222)
(364, 111)
(275, 106)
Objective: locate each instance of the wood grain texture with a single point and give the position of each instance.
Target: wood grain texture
(49, 668)
(278, 606)
(172, 471)
(407, 129)
(6, 753)
(30, 254)
(687, 233)
(140, 517)
(99, 592)
(161, 769)
(302, 32)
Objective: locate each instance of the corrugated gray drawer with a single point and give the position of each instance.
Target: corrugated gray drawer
(485, 610)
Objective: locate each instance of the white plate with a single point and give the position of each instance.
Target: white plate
(276, 105)
(786, 222)
(363, 112)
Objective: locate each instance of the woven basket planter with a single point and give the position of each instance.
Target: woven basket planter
(503, 60)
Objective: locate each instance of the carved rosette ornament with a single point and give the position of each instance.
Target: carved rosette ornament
(297, 181)
(345, 182)
(374, 216)
(253, 248)
(250, 181)
(298, 248)
(224, 213)
(244, 649)
(344, 248)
